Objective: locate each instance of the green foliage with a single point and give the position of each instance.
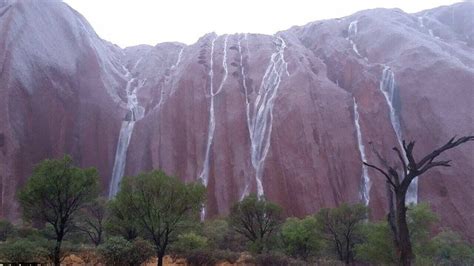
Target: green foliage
(420, 219)
(162, 207)
(449, 249)
(257, 220)
(119, 251)
(115, 250)
(55, 193)
(342, 228)
(378, 247)
(190, 241)
(92, 219)
(301, 238)
(23, 250)
(119, 222)
(58, 190)
(6, 230)
(220, 236)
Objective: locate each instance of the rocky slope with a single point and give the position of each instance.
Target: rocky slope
(288, 116)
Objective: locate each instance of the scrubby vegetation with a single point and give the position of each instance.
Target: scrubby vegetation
(155, 215)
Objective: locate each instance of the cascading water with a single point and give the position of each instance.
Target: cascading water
(422, 25)
(135, 113)
(260, 120)
(164, 92)
(388, 87)
(204, 176)
(366, 183)
(352, 31)
(247, 106)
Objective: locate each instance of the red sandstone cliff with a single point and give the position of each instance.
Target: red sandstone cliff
(275, 110)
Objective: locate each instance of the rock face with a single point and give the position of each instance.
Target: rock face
(287, 116)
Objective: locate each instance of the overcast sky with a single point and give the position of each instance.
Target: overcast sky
(132, 22)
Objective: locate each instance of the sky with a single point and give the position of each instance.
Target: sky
(133, 22)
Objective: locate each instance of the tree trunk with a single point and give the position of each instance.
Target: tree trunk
(160, 259)
(57, 253)
(404, 245)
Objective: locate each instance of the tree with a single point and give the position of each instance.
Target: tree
(341, 226)
(162, 206)
(55, 193)
(378, 247)
(256, 219)
(221, 236)
(92, 221)
(119, 222)
(301, 238)
(399, 183)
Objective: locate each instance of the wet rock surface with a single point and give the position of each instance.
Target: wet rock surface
(244, 109)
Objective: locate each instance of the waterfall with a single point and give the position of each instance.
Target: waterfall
(204, 176)
(247, 106)
(166, 84)
(366, 183)
(178, 60)
(352, 31)
(260, 120)
(421, 24)
(388, 87)
(135, 113)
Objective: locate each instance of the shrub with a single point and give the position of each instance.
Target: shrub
(119, 251)
(301, 238)
(209, 257)
(378, 247)
(451, 249)
(189, 241)
(23, 250)
(6, 230)
(272, 259)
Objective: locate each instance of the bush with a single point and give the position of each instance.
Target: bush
(272, 259)
(6, 230)
(451, 249)
(209, 257)
(23, 250)
(301, 238)
(189, 241)
(220, 236)
(378, 247)
(119, 251)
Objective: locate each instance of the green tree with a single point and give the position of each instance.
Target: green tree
(399, 182)
(92, 221)
(119, 221)
(301, 237)
(378, 246)
(55, 193)
(256, 219)
(162, 206)
(221, 236)
(341, 227)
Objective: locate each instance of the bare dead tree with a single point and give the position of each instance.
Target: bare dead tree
(398, 186)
